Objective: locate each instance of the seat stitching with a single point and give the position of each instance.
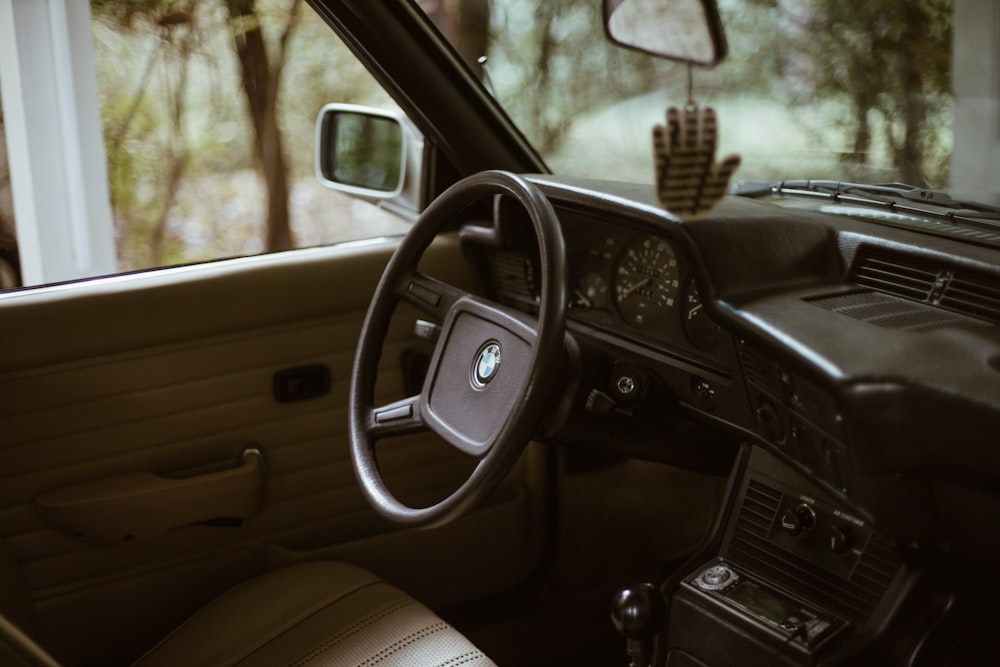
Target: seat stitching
(300, 618)
(350, 630)
(463, 659)
(396, 646)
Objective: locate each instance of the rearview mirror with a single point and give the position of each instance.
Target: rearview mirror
(685, 30)
(361, 151)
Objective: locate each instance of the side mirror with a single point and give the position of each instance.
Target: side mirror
(361, 151)
(689, 31)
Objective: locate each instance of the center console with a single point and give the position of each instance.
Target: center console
(791, 577)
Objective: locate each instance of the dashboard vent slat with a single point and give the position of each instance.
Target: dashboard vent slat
(760, 371)
(512, 276)
(974, 295)
(760, 507)
(911, 280)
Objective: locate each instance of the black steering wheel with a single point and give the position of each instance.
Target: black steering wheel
(492, 369)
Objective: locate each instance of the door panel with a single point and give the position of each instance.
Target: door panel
(171, 373)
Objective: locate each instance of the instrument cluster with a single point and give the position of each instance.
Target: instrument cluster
(633, 281)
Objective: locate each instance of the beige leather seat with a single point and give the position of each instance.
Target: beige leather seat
(310, 615)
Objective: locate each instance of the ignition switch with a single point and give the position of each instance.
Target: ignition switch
(628, 383)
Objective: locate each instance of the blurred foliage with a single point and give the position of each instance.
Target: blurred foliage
(890, 59)
(860, 87)
(551, 64)
(831, 64)
(156, 57)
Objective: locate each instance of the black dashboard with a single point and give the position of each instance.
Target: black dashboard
(866, 357)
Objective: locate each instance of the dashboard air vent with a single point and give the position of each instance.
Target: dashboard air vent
(512, 276)
(760, 507)
(854, 597)
(891, 312)
(760, 371)
(905, 278)
(876, 567)
(938, 288)
(974, 295)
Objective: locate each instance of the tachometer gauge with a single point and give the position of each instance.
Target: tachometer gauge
(646, 280)
(701, 331)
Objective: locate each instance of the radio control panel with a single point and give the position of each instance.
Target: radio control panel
(795, 622)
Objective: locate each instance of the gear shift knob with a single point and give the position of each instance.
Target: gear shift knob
(639, 612)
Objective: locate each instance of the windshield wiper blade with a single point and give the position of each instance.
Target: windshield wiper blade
(882, 193)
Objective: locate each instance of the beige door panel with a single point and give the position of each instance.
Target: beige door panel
(141, 506)
(170, 374)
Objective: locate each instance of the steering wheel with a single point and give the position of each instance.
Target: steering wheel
(492, 369)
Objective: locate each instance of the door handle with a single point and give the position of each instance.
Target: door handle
(141, 506)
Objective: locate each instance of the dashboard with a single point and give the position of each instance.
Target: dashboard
(810, 335)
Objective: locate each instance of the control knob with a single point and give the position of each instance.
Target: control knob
(839, 539)
(715, 578)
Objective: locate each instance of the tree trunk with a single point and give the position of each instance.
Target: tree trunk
(862, 132)
(260, 85)
(176, 149)
(913, 103)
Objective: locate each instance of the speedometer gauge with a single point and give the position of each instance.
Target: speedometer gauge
(646, 280)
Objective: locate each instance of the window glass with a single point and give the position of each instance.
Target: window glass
(9, 275)
(858, 91)
(208, 112)
(204, 159)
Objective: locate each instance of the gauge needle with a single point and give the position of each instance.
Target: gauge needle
(694, 311)
(635, 288)
(584, 301)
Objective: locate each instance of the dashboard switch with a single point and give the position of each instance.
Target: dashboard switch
(600, 403)
(428, 331)
(770, 423)
(703, 394)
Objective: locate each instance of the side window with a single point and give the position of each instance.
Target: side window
(208, 111)
(10, 275)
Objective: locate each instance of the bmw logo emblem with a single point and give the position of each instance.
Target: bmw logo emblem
(486, 364)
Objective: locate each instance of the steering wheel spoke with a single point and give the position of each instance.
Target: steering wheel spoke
(429, 295)
(397, 418)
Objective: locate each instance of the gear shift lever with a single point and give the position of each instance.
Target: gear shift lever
(639, 612)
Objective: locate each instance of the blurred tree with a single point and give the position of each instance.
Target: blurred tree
(135, 113)
(261, 63)
(261, 75)
(179, 36)
(558, 66)
(891, 57)
(9, 264)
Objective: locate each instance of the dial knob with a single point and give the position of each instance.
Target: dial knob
(839, 539)
(715, 578)
(807, 516)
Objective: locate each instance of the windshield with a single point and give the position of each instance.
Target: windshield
(834, 89)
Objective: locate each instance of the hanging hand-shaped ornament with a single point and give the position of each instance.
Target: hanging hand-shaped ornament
(689, 183)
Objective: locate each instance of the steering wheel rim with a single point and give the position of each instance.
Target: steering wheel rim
(522, 392)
